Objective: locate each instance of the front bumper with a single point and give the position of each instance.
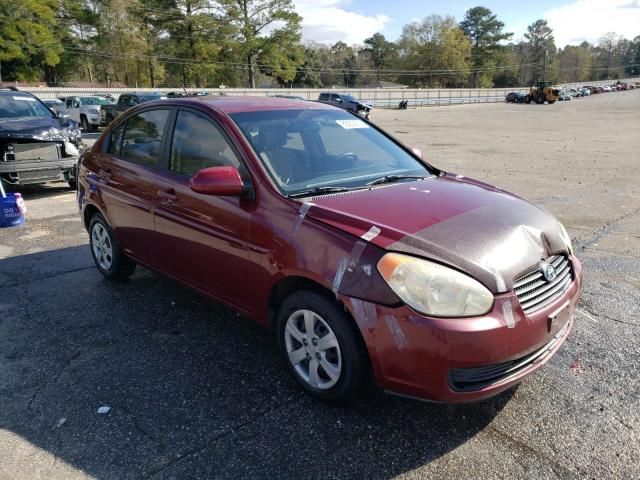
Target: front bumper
(27, 171)
(457, 360)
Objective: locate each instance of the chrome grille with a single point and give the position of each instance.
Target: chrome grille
(534, 291)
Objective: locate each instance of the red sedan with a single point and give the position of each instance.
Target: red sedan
(367, 261)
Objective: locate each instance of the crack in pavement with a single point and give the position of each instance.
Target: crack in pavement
(143, 431)
(52, 381)
(604, 230)
(211, 441)
(46, 277)
(602, 315)
(554, 465)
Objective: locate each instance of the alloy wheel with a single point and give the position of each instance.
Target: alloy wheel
(102, 247)
(313, 349)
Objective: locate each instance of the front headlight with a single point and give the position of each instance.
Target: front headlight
(434, 289)
(567, 239)
(49, 134)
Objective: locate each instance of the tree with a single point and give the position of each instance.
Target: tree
(380, 51)
(485, 31)
(632, 57)
(541, 47)
(437, 47)
(575, 63)
(267, 33)
(28, 42)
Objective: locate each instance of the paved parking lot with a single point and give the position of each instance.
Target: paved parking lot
(196, 391)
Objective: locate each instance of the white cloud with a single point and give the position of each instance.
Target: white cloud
(330, 21)
(590, 19)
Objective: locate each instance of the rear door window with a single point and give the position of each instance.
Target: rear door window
(142, 137)
(197, 143)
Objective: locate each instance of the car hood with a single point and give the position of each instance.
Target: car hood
(488, 233)
(60, 129)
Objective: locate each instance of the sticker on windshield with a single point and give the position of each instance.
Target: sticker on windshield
(351, 124)
(27, 99)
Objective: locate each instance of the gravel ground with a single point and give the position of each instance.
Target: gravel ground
(197, 392)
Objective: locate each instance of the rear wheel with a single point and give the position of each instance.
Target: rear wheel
(107, 255)
(321, 347)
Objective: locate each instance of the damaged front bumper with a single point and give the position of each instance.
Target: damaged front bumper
(456, 360)
(37, 163)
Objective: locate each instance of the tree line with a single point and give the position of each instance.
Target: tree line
(249, 43)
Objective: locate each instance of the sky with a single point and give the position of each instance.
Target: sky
(573, 21)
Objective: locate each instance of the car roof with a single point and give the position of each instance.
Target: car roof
(13, 93)
(227, 104)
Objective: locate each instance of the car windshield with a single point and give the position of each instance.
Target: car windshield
(312, 150)
(94, 101)
(17, 106)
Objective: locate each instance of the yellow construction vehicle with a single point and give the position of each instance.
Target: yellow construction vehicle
(543, 93)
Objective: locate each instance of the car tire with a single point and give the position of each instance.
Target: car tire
(342, 370)
(85, 124)
(106, 252)
(73, 183)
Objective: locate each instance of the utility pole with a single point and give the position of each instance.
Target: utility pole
(544, 75)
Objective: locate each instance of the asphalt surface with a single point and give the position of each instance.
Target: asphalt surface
(195, 391)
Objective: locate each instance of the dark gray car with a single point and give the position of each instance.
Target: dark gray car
(346, 102)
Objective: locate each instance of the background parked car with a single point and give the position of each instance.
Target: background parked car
(54, 104)
(346, 102)
(515, 97)
(85, 110)
(36, 144)
(125, 101)
(564, 96)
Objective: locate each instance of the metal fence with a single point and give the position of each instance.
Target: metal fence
(379, 98)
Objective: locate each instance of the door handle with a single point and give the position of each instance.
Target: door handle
(168, 194)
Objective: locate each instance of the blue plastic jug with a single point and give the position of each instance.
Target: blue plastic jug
(12, 210)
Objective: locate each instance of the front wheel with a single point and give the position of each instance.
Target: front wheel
(321, 346)
(85, 124)
(107, 255)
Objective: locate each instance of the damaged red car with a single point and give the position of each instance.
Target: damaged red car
(368, 262)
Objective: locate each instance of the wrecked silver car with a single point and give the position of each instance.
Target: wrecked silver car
(36, 145)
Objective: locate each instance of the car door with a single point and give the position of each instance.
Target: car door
(72, 108)
(203, 237)
(127, 177)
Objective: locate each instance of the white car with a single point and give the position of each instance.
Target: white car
(606, 88)
(85, 110)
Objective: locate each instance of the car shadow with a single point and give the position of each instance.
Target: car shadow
(39, 190)
(193, 390)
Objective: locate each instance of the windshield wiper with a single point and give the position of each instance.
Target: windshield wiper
(393, 178)
(321, 190)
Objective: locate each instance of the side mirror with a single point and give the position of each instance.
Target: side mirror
(224, 181)
(417, 152)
